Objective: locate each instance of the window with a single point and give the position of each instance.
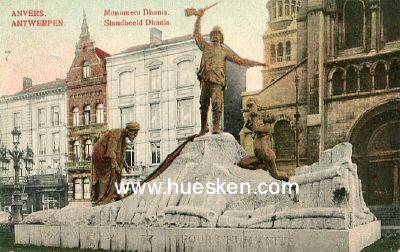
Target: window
(155, 153)
(127, 115)
(293, 7)
(287, 8)
(75, 116)
(394, 74)
(56, 142)
(274, 10)
(86, 188)
(391, 20)
(55, 115)
(287, 51)
(130, 153)
(42, 144)
(185, 73)
(351, 80)
(273, 53)
(185, 112)
(365, 79)
(88, 149)
(337, 82)
(17, 120)
(56, 165)
(42, 166)
(280, 52)
(354, 23)
(100, 113)
(155, 116)
(155, 79)
(86, 70)
(77, 150)
(41, 118)
(125, 83)
(380, 76)
(280, 8)
(87, 115)
(78, 188)
(283, 139)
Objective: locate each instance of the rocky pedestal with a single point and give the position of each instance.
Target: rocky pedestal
(329, 212)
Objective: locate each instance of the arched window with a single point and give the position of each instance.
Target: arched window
(273, 53)
(391, 19)
(100, 113)
(78, 188)
(125, 83)
(287, 51)
(351, 80)
(337, 82)
(380, 76)
(394, 74)
(354, 23)
(88, 149)
(283, 140)
(293, 7)
(87, 115)
(365, 79)
(185, 73)
(130, 153)
(298, 6)
(86, 188)
(274, 10)
(280, 8)
(86, 70)
(77, 151)
(287, 8)
(75, 116)
(280, 52)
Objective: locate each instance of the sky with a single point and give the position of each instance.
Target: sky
(45, 53)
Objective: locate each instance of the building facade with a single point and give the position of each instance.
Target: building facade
(348, 67)
(39, 112)
(86, 112)
(280, 39)
(156, 85)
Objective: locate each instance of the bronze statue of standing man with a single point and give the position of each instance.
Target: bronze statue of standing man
(212, 71)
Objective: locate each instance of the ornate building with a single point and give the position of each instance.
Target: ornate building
(39, 112)
(156, 85)
(348, 63)
(280, 38)
(87, 106)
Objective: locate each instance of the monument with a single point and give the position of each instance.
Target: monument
(328, 212)
(329, 206)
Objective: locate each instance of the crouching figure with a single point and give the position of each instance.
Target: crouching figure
(264, 157)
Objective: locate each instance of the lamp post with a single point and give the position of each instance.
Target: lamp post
(16, 155)
(297, 122)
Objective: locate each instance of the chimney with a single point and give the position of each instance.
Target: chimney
(26, 83)
(155, 36)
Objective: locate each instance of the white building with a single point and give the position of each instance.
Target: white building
(39, 112)
(155, 84)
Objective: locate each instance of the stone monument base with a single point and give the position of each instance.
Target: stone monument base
(198, 239)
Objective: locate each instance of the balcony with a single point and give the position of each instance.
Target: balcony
(79, 165)
(87, 129)
(35, 180)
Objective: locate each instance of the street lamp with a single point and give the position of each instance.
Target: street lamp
(16, 155)
(297, 122)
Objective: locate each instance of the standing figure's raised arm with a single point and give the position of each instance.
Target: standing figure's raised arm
(201, 42)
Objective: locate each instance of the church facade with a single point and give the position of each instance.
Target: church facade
(347, 64)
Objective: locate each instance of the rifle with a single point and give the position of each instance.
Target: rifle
(193, 12)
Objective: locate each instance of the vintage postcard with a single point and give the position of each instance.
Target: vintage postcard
(200, 125)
